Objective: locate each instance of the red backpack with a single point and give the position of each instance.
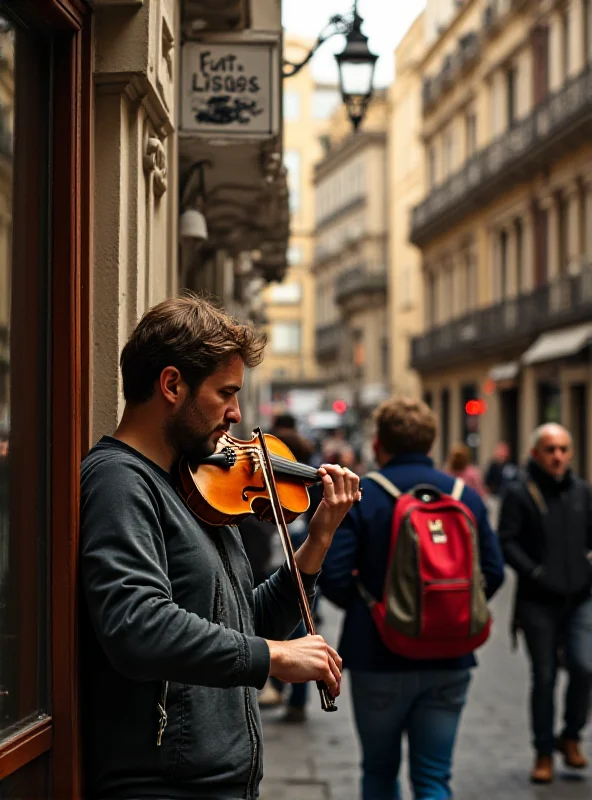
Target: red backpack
(433, 605)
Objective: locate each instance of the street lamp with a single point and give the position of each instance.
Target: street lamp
(356, 63)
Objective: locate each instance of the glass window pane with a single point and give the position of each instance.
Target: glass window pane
(291, 106)
(286, 293)
(285, 337)
(24, 511)
(324, 103)
(292, 162)
(295, 255)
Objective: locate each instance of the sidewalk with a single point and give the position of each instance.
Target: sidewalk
(319, 759)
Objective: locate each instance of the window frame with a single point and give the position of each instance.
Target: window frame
(70, 200)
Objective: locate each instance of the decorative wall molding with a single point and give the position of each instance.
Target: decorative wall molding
(155, 162)
(139, 89)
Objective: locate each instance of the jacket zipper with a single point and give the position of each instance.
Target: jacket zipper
(251, 727)
(254, 745)
(218, 609)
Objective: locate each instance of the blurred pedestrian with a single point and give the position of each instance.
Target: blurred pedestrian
(393, 693)
(459, 465)
(284, 423)
(501, 471)
(337, 447)
(546, 533)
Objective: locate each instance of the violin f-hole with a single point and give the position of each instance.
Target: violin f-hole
(253, 489)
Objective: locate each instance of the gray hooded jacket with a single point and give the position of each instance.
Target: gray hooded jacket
(169, 600)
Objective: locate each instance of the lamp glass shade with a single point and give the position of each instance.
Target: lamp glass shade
(356, 71)
(356, 77)
(192, 225)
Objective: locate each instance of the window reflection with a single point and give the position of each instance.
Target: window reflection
(24, 378)
(6, 177)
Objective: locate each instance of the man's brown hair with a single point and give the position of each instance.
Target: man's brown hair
(405, 426)
(459, 458)
(189, 333)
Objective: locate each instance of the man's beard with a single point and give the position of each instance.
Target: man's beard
(189, 432)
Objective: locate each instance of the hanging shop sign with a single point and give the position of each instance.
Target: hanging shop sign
(230, 89)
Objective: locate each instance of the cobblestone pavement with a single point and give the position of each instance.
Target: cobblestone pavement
(319, 760)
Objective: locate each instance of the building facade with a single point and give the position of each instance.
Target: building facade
(90, 202)
(505, 225)
(405, 190)
(350, 263)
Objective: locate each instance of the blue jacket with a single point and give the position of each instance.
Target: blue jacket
(362, 543)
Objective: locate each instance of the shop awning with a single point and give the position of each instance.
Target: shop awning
(504, 372)
(558, 344)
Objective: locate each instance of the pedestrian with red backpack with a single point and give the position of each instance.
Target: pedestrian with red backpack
(413, 566)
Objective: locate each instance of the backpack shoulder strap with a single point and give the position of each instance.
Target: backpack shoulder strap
(457, 489)
(389, 487)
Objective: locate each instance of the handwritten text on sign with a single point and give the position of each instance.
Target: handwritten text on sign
(227, 88)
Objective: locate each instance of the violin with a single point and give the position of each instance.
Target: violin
(260, 477)
(229, 485)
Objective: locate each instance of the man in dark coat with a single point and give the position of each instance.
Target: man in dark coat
(546, 534)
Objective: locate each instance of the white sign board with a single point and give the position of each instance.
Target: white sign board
(229, 88)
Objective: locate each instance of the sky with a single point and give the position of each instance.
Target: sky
(385, 24)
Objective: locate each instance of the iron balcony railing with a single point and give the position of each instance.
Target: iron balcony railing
(562, 115)
(566, 300)
(359, 280)
(328, 340)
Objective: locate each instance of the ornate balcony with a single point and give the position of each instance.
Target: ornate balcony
(358, 283)
(514, 323)
(561, 121)
(328, 340)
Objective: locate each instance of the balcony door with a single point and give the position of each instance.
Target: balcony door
(540, 73)
(578, 397)
(541, 244)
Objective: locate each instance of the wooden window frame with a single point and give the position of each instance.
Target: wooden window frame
(70, 22)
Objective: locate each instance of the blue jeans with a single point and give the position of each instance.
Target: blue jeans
(547, 629)
(427, 706)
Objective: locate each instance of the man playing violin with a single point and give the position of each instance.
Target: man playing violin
(174, 640)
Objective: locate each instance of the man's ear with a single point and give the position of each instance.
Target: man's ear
(172, 386)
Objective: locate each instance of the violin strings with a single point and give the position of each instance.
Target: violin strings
(253, 449)
(284, 465)
(278, 460)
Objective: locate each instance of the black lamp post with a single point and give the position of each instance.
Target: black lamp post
(356, 63)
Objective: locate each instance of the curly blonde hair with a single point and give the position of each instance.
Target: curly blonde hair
(405, 426)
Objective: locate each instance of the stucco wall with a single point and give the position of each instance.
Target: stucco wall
(135, 196)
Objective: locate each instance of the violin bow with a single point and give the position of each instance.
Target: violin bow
(327, 700)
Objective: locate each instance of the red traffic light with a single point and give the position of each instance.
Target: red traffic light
(340, 406)
(475, 407)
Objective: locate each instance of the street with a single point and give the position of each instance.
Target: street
(320, 759)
